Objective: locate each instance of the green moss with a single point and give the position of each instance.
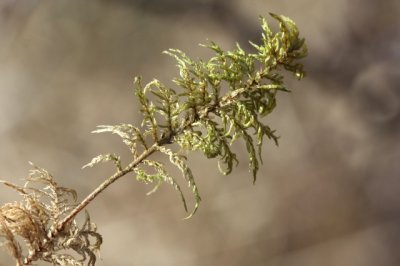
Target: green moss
(197, 116)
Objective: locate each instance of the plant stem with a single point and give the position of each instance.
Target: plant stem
(129, 168)
(226, 100)
(61, 225)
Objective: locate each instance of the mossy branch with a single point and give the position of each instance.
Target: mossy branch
(216, 102)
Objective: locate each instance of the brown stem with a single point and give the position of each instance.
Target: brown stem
(129, 168)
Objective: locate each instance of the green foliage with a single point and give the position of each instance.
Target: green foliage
(217, 102)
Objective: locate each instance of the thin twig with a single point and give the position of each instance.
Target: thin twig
(104, 185)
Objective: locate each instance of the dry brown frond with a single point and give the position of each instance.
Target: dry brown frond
(35, 220)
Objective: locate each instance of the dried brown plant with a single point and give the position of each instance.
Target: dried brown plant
(31, 225)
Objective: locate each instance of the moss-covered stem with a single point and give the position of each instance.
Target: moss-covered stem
(226, 100)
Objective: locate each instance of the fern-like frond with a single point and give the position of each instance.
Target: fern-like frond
(105, 158)
(180, 162)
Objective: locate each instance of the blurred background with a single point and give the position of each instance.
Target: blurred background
(328, 195)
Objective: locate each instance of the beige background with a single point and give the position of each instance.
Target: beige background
(328, 195)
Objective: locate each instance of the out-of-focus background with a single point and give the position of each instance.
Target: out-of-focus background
(328, 195)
